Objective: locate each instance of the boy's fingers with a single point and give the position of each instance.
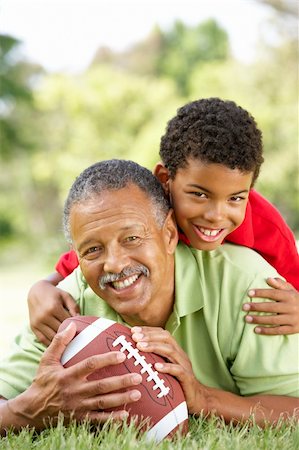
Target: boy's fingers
(267, 307)
(274, 331)
(271, 294)
(70, 304)
(278, 283)
(275, 319)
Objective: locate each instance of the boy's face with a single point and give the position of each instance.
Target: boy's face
(209, 200)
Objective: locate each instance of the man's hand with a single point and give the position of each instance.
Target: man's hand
(208, 400)
(178, 364)
(56, 389)
(48, 308)
(282, 314)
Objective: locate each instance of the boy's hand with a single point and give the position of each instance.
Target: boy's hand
(48, 307)
(284, 311)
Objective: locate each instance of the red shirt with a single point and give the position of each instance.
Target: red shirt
(263, 230)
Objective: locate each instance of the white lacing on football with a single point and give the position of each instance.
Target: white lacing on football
(146, 367)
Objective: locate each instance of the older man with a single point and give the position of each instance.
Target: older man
(181, 303)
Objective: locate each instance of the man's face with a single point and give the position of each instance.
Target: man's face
(125, 257)
(209, 201)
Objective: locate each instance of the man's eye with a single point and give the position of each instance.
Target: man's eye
(131, 238)
(92, 250)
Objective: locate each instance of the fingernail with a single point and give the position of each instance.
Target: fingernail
(246, 307)
(136, 378)
(120, 357)
(135, 395)
(257, 330)
(136, 329)
(124, 415)
(251, 293)
(137, 336)
(159, 366)
(142, 344)
(249, 319)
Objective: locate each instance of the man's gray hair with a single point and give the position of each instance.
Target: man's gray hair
(114, 174)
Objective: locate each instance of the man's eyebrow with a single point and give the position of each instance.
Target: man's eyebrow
(86, 243)
(197, 186)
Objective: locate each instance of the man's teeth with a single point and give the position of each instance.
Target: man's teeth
(209, 232)
(125, 283)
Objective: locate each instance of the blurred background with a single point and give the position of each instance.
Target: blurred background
(87, 80)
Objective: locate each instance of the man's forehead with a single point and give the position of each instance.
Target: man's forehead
(124, 206)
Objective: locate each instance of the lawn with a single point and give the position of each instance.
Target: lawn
(202, 435)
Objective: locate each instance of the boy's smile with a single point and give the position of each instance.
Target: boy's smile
(209, 201)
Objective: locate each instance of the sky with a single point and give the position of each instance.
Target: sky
(63, 35)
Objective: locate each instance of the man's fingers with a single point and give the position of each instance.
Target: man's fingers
(101, 417)
(94, 362)
(112, 400)
(111, 384)
(59, 343)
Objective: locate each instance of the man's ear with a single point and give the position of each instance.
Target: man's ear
(162, 173)
(171, 234)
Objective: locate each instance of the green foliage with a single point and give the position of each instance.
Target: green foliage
(183, 48)
(53, 126)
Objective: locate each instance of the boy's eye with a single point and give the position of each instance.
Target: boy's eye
(237, 198)
(199, 194)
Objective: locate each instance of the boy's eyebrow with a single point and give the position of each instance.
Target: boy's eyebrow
(209, 192)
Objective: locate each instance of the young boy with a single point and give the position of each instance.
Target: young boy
(207, 148)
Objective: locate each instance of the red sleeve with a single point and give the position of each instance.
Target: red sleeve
(67, 263)
(272, 237)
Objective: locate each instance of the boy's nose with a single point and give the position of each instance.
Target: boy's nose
(215, 213)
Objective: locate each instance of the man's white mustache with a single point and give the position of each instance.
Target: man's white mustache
(126, 272)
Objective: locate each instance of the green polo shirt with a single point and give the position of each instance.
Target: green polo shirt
(207, 321)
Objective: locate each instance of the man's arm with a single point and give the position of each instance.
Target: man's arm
(56, 389)
(203, 399)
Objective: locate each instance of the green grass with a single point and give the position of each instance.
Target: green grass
(203, 434)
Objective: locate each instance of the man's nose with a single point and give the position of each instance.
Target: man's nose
(116, 259)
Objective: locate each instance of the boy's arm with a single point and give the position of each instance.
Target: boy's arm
(48, 307)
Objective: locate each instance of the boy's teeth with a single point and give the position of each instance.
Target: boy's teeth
(124, 283)
(209, 232)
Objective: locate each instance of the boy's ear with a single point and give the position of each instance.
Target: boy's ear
(171, 232)
(162, 173)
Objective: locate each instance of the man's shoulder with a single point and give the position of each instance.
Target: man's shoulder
(243, 259)
(234, 258)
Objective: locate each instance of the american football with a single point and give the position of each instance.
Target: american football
(162, 399)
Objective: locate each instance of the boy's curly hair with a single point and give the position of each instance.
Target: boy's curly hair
(213, 131)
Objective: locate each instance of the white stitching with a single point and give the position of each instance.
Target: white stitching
(152, 374)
